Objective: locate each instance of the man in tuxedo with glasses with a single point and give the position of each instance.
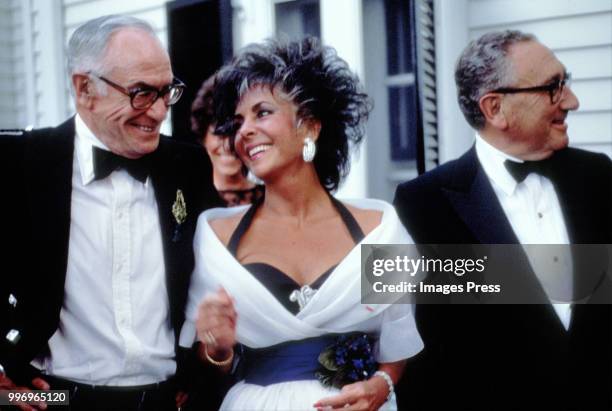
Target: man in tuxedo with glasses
(100, 223)
(519, 184)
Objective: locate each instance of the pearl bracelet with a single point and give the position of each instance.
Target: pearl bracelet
(388, 380)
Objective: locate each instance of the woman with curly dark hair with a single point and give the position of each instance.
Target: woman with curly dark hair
(228, 171)
(278, 283)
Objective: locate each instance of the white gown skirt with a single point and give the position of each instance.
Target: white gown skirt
(285, 396)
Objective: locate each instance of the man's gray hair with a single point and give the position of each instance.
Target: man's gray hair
(482, 67)
(87, 45)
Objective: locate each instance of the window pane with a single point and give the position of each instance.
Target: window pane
(399, 37)
(403, 123)
(294, 19)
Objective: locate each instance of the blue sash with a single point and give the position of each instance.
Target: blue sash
(290, 361)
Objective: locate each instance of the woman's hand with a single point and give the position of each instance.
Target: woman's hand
(367, 395)
(216, 325)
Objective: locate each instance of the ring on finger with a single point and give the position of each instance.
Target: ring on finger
(209, 338)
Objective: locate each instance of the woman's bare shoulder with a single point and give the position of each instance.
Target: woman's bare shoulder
(225, 226)
(367, 219)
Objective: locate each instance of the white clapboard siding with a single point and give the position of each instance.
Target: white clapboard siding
(9, 45)
(6, 27)
(598, 67)
(483, 13)
(580, 34)
(590, 126)
(563, 33)
(594, 95)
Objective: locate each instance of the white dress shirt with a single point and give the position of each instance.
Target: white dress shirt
(534, 212)
(115, 321)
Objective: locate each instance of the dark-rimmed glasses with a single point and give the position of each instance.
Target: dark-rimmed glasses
(554, 89)
(143, 97)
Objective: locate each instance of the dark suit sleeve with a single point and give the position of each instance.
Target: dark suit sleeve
(420, 208)
(604, 164)
(13, 251)
(607, 193)
(406, 203)
(9, 150)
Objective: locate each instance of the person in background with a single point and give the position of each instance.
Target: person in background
(285, 280)
(229, 173)
(101, 225)
(519, 184)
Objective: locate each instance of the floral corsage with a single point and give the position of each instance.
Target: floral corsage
(349, 359)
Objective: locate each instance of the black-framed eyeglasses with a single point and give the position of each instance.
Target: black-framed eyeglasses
(143, 97)
(554, 89)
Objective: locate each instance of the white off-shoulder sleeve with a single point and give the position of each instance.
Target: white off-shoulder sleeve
(399, 338)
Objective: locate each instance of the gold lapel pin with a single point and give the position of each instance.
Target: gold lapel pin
(179, 208)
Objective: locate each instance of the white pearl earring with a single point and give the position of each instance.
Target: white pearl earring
(309, 150)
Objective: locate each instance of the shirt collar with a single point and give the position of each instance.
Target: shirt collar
(492, 161)
(84, 142)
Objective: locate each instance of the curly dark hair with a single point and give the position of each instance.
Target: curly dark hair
(317, 81)
(202, 108)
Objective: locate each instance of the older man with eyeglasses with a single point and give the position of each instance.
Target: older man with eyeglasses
(100, 220)
(519, 184)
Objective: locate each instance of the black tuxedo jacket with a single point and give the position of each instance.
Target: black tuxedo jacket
(509, 357)
(36, 175)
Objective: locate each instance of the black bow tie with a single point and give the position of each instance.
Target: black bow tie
(105, 162)
(520, 171)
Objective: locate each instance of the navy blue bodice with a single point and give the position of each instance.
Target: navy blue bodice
(275, 280)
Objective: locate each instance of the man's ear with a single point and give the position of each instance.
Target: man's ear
(84, 90)
(491, 107)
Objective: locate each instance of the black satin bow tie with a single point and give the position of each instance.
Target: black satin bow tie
(520, 171)
(105, 162)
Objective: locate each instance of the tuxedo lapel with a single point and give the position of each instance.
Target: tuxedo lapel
(471, 195)
(164, 190)
(48, 177)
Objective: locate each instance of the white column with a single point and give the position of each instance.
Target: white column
(253, 21)
(49, 66)
(342, 28)
(28, 65)
(451, 22)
